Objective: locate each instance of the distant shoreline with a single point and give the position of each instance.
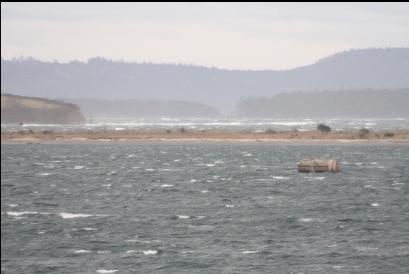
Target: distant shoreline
(211, 136)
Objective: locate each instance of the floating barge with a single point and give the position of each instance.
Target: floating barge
(318, 165)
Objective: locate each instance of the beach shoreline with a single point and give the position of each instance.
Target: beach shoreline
(163, 137)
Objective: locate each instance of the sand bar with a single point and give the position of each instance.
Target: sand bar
(158, 136)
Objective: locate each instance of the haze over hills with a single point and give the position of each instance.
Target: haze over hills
(104, 79)
(364, 103)
(104, 87)
(117, 110)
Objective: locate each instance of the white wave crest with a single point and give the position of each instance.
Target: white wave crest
(306, 220)
(249, 252)
(89, 229)
(281, 177)
(72, 215)
(150, 252)
(17, 214)
(82, 251)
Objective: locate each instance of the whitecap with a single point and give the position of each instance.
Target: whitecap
(17, 214)
(281, 177)
(176, 160)
(166, 185)
(249, 252)
(89, 229)
(138, 241)
(375, 204)
(210, 165)
(44, 174)
(82, 251)
(150, 252)
(130, 251)
(306, 220)
(106, 271)
(193, 181)
(78, 167)
(309, 220)
(103, 252)
(204, 191)
(13, 205)
(72, 215)
(315, 178)
(229, 206)
(183, 216)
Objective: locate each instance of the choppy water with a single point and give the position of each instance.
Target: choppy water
(232, 124)
(203, 209)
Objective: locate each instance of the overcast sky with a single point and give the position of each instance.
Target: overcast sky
(224, 35)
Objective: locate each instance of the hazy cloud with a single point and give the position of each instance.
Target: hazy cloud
(228, 35)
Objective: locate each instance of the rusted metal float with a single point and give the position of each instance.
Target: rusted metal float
(318, 165)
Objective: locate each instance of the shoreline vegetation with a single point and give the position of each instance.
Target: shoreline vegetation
(209, 136)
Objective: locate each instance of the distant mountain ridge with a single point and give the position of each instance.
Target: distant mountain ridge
(103, 79)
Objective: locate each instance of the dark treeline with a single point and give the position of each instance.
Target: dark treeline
(329, 104)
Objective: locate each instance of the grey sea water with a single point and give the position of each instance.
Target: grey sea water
(218, 208)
